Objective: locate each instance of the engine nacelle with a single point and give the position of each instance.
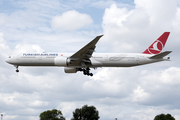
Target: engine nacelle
(70, 70)
(61, 61)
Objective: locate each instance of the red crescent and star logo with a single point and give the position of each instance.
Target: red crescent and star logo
(156, 47)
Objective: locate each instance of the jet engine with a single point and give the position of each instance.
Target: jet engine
(70, 70)
(61, 61)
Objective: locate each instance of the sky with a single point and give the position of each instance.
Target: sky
(128, 26)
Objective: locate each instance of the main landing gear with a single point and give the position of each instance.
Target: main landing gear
(17, 68)
(86, 71)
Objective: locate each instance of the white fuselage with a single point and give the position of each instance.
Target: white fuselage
(97, 60)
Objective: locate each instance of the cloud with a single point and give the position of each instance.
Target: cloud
(3, 19)
(176, 21)
(103, 4)
(147, 21)
(27, 48)
(71, 20)
(4, 51)
(167, 82)
(159, 14)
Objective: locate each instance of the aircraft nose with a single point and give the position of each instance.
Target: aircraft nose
(8, 61)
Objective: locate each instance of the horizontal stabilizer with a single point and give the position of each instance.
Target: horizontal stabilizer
(160, 55)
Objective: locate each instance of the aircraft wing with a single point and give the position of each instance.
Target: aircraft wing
(82, 56)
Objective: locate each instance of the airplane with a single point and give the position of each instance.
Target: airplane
(85, 59)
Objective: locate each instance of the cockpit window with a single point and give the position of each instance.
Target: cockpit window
(9, 56)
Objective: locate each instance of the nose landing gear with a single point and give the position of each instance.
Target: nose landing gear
(16, 68)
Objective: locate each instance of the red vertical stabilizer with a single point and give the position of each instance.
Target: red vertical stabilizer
(157, 45)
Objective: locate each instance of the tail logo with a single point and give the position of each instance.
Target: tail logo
(156, 47)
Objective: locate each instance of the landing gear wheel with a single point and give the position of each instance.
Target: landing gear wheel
(16, 68)
(91, 74)
(86, 71)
